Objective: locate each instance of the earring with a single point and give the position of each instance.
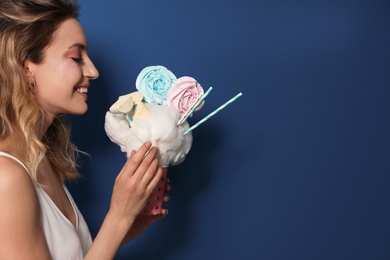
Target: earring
(32, 86)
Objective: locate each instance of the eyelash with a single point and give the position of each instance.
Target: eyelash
(78, 60)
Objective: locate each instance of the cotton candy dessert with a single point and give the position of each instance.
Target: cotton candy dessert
(158, 112)
(152, 114)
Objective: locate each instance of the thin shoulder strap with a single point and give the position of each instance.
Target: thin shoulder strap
(16, 159)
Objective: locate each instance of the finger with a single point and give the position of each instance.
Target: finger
(136, 159)
(150, 156)
(153, 218)
(145, 174)
(152, 178)
(166, 198)
(148, 167)
(164, 212)
(142, 152)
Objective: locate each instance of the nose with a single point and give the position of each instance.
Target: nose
(90, 70)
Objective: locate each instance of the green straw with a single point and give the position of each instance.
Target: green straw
(213, 113)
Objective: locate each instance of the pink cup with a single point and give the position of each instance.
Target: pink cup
(154, 204)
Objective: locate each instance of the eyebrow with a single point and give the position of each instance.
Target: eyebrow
(79, 45)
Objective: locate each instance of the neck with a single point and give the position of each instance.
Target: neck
(48, 120)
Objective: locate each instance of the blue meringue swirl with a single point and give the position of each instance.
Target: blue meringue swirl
(154, 83)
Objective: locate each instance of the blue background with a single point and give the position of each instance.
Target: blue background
(297, 168)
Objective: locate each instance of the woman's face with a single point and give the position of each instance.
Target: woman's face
(62, 78)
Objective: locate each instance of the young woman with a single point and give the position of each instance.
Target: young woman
(45, 73)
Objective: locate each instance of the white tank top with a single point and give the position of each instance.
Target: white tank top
(64, 240)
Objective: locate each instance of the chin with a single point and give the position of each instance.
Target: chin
(80, 111)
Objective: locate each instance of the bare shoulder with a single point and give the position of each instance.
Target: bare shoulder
(18, 198)
(20, 224)
(14, 178)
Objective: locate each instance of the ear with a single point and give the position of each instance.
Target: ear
(29, 71)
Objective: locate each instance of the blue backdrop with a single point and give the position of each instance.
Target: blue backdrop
(297, 168)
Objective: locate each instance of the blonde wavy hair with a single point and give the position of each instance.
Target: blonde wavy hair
(26, 29)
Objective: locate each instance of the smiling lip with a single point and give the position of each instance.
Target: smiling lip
(82, 89)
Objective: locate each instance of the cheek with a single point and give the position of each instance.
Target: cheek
(52, 81)
(71, 73)
(67, 73)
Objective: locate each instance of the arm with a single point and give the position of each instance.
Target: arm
(21, 232)
(132, 188)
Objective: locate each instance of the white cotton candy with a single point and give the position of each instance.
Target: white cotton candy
(159, 127)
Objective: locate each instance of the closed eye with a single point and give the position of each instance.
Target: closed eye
(78, 59)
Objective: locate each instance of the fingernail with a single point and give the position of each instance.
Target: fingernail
(148, 144)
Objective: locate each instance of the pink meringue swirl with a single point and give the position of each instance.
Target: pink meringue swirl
(184, 93)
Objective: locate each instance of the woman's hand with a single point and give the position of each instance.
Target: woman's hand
(133, 186)
(135, 183)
